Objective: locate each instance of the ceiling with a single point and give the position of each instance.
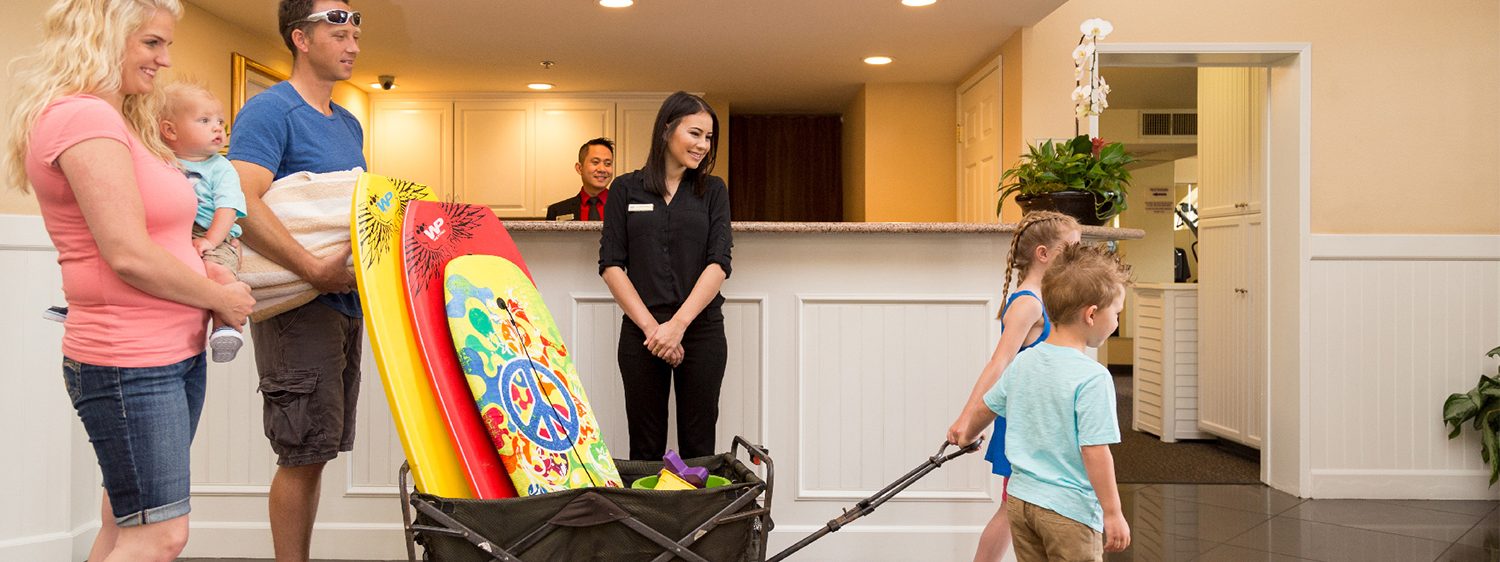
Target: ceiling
(763, 56)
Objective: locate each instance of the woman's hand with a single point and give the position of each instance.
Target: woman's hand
(234, 306)
(666, 338)
(674, 356)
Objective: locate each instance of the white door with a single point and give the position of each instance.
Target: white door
(413, 140)
(979, 146)
(561, 127)
(633, 142)
(494, 164)
(1221, 384)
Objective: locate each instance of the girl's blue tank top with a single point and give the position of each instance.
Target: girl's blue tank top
(1046, 322)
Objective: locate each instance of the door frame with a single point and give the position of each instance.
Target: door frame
(1287, 449)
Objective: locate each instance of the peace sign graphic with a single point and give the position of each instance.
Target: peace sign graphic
(553, 428)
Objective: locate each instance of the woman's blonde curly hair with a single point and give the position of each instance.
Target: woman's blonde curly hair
(81, 52)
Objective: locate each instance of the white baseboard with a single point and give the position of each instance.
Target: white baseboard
(1403, 484)
(882, 542)
(69, 545)
(336, 541)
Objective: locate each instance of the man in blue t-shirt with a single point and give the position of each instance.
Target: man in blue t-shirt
(308, 358)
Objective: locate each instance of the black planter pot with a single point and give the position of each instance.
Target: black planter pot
(1080, 205)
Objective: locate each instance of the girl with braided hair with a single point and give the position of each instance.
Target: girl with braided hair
(1038, 240)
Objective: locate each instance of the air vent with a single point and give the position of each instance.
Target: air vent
(1169, 124)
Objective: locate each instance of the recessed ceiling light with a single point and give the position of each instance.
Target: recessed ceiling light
(616, 3)
(379, 86)
(877, 60)
(918, 2)
(539, 86)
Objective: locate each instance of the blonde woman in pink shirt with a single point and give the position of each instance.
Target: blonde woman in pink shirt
(120, 212)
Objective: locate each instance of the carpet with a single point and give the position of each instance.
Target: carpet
(1143, 458)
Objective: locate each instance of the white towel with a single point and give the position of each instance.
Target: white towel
(315, 209)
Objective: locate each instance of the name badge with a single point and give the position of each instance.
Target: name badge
(641, 207)
(566, 217)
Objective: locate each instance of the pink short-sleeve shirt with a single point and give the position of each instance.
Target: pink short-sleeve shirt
(110, 322)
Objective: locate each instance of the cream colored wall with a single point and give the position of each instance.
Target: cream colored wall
(854, 158)
(1012, 142)
(1414, 155)
(201, 50)
(20, 30)
(910, 152)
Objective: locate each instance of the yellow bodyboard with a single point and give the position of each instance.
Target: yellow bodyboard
(379, 206)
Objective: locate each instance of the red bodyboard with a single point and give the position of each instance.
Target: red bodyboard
(432, 234)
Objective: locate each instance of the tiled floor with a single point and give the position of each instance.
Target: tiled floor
(1253, 523)
(1211, 523)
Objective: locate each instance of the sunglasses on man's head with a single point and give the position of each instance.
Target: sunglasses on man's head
(335, 17)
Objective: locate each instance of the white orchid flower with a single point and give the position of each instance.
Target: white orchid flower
(1083, 52)
(1096, 27)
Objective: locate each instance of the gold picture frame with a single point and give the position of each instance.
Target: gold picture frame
(246, 79)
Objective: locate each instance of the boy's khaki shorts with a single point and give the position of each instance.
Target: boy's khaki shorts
(1042, 535)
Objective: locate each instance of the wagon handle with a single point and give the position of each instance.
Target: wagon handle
(964, 450)
(758, 455)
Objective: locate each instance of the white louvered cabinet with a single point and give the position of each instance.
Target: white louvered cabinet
(1165, 395)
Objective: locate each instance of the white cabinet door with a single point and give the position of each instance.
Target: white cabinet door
(494, 164)
(1232, 328)
(561, 127)
(633, 142)
(1220, 377)
(413, 140)
(1231, 140)
(1254, 313)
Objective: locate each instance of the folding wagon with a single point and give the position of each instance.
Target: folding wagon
(722, 524)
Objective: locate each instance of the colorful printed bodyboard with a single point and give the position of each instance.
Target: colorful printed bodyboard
(433, 233)
(379, 205)
(523, 378)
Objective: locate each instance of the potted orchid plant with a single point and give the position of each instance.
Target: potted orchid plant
(1084, 177)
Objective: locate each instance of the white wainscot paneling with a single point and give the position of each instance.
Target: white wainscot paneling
(1393, 333)
(596, 339)
(878, 375)
(52, 478)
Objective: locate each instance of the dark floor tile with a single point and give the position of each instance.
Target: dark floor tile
(1160, 547)
(1485, 534)
(1155, 515)
(1465, 553)
(1335, 543)
(1253, 497)
(1465, 507)
(1386, 517)
(1231, 553)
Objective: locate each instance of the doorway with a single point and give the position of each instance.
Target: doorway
(1269, 373)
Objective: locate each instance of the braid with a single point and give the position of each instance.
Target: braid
(1010, 265)
(1050, 227)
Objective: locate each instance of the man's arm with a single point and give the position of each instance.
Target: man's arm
(1100, 465)
(264, 232)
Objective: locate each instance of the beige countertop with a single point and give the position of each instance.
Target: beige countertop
(1092, 232)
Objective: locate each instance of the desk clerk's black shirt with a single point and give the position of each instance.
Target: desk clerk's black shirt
(665, 250)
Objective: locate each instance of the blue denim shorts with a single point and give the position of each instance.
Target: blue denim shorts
(141, 422)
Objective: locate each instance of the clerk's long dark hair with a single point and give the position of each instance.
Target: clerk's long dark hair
(677, 106)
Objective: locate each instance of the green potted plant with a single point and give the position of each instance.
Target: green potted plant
(1083, 177)
(1482, 406)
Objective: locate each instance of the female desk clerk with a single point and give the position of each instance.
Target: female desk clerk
(664, 254)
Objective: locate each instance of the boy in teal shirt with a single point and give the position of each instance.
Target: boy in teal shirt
(1059, 406)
